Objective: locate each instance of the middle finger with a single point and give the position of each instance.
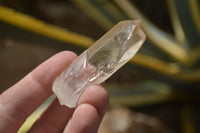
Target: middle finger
(53, 119)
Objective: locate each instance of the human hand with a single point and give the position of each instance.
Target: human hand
(18, 102)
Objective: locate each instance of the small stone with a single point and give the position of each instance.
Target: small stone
(99, 61)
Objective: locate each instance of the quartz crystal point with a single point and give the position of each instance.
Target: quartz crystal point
(99, 61)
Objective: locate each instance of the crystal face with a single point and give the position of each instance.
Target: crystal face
(99, 61)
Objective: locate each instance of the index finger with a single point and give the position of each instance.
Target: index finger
(18, 102)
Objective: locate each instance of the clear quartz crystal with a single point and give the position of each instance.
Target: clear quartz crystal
(99, 61)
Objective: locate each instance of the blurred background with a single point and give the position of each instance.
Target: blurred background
(158, 91)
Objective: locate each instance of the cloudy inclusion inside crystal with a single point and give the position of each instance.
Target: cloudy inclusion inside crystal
(99, 62)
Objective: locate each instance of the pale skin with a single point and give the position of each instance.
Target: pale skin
(19, 101)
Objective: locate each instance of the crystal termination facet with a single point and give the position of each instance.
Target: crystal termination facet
(99, 61)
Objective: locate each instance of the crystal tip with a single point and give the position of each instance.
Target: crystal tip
(137, 22)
